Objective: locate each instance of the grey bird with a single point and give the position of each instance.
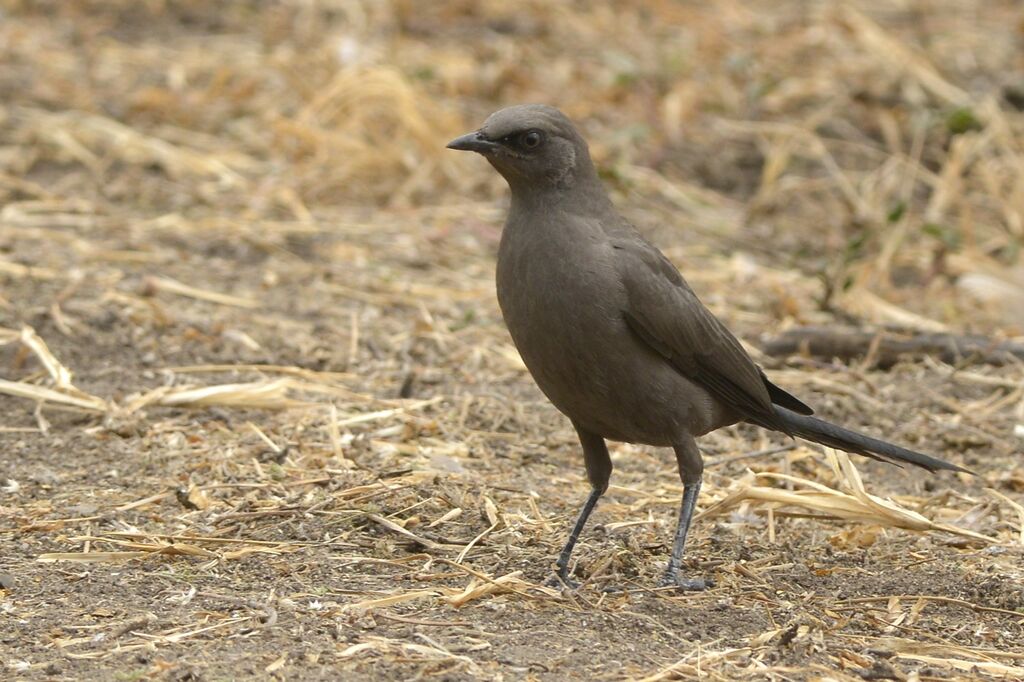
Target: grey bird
(612, 333)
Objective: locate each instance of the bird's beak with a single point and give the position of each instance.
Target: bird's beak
(473, 142)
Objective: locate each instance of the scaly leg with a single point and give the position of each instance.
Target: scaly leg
(691, 467)
(566, 553)
(599, 470)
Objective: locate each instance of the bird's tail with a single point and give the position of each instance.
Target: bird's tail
(814, 429)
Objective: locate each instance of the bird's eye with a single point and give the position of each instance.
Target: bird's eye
(530, 139)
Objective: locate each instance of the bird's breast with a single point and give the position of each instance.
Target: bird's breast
(558, 298)
(563, 308)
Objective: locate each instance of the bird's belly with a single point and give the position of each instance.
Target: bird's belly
(593, 368)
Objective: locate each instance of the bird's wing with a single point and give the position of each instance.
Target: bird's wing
(666, 314)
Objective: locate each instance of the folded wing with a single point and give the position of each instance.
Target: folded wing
(665, 313)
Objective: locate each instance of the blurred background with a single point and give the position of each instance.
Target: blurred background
(247, 307)
(873, 144)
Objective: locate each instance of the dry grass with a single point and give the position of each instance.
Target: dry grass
(262, 418)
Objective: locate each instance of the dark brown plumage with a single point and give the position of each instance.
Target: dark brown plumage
(612, 333)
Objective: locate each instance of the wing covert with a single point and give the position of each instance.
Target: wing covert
(666, 314)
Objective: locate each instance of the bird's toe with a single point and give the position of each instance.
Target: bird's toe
(559, 581)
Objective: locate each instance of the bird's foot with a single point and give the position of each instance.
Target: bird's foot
(686, 584)
(561, 580)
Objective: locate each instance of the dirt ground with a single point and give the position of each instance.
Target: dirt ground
(262, 420)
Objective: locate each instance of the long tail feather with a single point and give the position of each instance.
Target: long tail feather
(819, 431)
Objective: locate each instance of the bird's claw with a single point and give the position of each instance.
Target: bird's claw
(562, 581)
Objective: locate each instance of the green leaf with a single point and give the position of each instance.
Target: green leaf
(962, 120)
(897, 212)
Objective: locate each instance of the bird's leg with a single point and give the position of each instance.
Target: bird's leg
(672, 577)
(691, 467)
(566, 554)
(599, 470)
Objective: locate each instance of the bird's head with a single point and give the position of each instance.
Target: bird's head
(535, 147)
